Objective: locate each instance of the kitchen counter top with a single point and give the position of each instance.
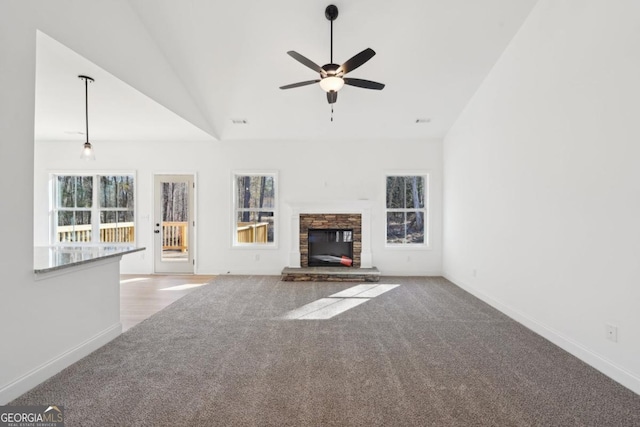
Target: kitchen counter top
(52, 258)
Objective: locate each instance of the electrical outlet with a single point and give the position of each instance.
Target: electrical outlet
(612, 332)
(474, 273)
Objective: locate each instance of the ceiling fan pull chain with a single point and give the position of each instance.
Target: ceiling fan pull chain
(331, 112)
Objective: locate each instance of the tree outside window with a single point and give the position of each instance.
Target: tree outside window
(74, 200)
(116, 208)
(83, 215)
(406, 209)
(255, 208)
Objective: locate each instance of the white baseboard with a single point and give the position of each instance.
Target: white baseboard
(405, 273)
(26, 382)
(601, 363)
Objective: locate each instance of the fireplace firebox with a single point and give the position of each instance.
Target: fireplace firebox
(331, 222)
(330, 247)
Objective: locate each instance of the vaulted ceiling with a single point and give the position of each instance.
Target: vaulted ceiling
(231, 58)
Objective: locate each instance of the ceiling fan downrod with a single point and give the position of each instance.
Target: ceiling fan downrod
(331, 13)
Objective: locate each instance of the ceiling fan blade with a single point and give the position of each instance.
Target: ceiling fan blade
(356, 61)
(367, 84)
(291, 86)
(307, 62)
(332, 97)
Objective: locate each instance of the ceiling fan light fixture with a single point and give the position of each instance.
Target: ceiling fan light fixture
(331, 83)
(332, 76)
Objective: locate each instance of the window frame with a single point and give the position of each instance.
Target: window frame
(235, 210)
(426, 244)
(95, 209)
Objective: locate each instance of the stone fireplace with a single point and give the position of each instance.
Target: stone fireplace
(350, 215)
(347, 229)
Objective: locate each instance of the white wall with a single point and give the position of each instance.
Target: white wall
(351, 170)
(46, 324)
(542, 184)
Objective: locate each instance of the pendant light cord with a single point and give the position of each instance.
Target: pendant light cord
(331, 42)
(86, 105)
(86, 79)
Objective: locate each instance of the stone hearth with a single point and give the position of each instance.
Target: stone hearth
(330, 274)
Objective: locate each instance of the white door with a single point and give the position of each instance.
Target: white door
(173, 224)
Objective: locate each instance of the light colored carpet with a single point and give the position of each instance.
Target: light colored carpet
(425, 353)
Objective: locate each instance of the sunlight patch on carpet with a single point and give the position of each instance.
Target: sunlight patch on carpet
(326, 308)
(364, 291)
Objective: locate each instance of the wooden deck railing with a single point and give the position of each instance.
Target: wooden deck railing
(109, 233)
(175, 235)
(250, 232)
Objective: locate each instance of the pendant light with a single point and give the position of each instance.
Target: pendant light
(87, 151)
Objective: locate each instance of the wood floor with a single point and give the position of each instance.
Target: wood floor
(141, 296)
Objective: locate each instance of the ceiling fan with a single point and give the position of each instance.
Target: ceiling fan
(332, 75)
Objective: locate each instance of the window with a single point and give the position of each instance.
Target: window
(82, 215)
(255, 209)
(116, 209)
(74, 202)
(406, 210)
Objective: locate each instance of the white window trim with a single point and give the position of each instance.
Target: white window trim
(95, 206)
(234, 210)
(426, 245)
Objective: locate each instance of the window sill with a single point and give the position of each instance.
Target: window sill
(408, 247)
(255, 246)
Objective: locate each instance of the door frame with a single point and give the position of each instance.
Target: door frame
(157, 250)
